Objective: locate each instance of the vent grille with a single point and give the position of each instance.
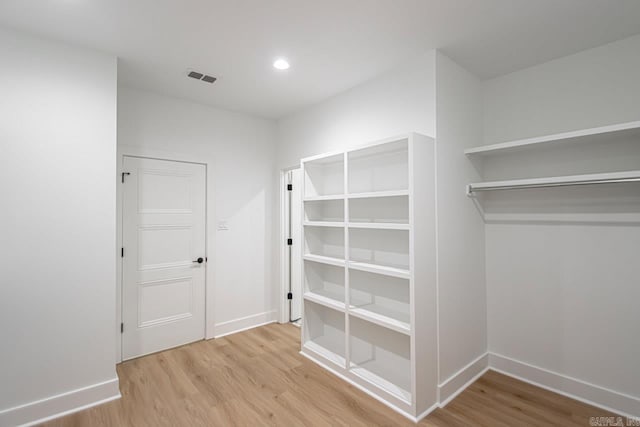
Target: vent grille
(202, 77)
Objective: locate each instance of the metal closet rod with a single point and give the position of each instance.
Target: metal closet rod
(471, 189)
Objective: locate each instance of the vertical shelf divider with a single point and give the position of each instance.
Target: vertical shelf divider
(347, 292)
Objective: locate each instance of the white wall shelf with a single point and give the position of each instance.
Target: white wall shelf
(319, 347)
(379, 225)
(379, 168)
(371, 313)
(379, 210)
(325, 332)
(382, 357)
(321, 198)
(381, 247)
(324, 178)
(324, 260)
(622, 130)
(390, 193)
(326, 298)
(365, 372)
(331, 210)
(324, 284)
(369, 256)
(556, 181)
(384, 300)
(381, 269)
(324, 241)
(323, 224)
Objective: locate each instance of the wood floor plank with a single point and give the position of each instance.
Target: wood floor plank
(257, 377)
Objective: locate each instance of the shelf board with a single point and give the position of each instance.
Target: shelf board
(323, 224)
(328, 299)
(584, 135)
(380, 319)
(380, 269)
(379, 225)
(387, 386)
(395, 145)
(319, 349)
(556, 181)
(320, 198)
(390, 193)
(324, 159)
(324, 260)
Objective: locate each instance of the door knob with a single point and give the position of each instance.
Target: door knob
(199, 260)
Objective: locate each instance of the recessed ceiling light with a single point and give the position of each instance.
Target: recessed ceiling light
(281, 64)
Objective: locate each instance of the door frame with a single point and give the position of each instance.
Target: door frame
(283, 248)
(133, 151)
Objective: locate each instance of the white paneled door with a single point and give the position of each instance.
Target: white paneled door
(164, 258)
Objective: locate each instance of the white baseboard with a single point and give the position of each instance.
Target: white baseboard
(244, 323)
(60, 405)
(609, 400)
(462, 379)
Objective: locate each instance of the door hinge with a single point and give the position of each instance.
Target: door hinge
(125, 173)
(121, 328)
(289, 295)
(289, 242)
(289, 187)
(121, 252)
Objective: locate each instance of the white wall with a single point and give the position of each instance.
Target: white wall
(240, 153)
(461, 263)
(562, 294)
(57, 258)
(592, 88)
(400, 101)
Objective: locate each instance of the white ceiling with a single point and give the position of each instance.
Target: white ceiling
(332, 44)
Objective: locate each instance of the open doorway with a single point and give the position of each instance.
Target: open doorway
(291, 247)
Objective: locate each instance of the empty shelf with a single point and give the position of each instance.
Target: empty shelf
(382, 316)
(585, 135)
(397, 390)
(330, 197)
(323, 224)
(324, 260)
(380, 269)
(324, 332)
(327, 298)
(379, 225)
(391, 193)
(316, 346)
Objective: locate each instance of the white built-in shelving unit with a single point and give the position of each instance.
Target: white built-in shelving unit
(369, 269)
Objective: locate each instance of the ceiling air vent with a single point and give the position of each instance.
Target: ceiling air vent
(202, 77)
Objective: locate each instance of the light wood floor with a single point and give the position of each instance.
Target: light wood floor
(257, 378)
